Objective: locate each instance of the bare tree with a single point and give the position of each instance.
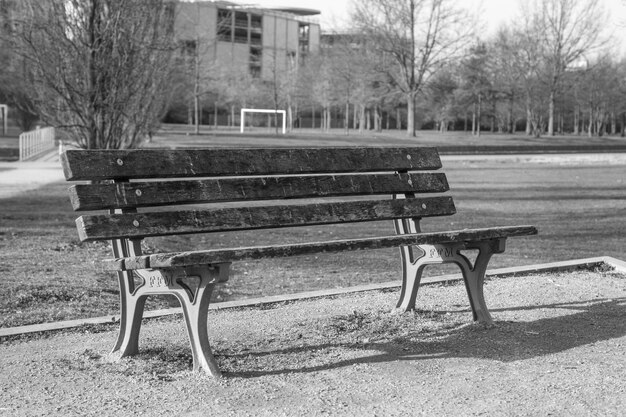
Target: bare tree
(419, 35)
(13, 81)
(319, 76)
(196, 69)
(346, 62)
(508, 78)
(99, 68)
(14, 88)
(567, 30)
(476, 86)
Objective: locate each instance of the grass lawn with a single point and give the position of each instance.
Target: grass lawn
(577, 204)
(182, 136)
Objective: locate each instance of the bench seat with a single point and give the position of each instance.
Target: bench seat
(215, 256)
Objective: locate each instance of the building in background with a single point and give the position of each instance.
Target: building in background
(265, 41)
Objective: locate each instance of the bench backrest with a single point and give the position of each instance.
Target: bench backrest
(320, 182)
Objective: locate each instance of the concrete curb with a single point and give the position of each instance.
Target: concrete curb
(583, 264)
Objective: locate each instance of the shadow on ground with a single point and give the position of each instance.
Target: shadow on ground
(581, 324)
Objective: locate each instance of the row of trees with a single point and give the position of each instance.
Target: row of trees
(107, 71)
(552, 72)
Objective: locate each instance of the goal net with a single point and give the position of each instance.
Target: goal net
(252, 120)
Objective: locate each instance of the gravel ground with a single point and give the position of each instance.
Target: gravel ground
(557, 348)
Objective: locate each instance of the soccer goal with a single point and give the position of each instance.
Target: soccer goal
(282, 112)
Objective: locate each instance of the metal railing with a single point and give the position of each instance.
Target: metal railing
(36, 142)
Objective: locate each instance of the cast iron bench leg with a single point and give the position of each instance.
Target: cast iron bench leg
(411, 278)
(473, 274)
(131, 313)
(195, 304)
(192, 286)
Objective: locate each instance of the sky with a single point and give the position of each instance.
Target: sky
(335, 13)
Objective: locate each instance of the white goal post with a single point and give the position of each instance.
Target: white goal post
(283, 112)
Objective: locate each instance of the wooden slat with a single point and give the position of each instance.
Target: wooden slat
(132, 225)
(178, 259)
(146, 194)
(98, 165)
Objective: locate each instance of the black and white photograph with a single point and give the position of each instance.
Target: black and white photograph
(313, 208)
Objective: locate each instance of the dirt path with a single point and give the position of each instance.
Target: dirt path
(19, 177)
(558, 348)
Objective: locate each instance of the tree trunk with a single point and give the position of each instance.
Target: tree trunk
(330, 120)
(410, 122)
(196, 113)
(529, 116)
(347, 118)
(327, 119)
(511, 122)
(551, 114)
(493, 118)
(479, 115)
(613, 124)
(361, 118)
(376, 119)
(289, 118)
(474, 119)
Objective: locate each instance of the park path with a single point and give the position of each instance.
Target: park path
(19, 177)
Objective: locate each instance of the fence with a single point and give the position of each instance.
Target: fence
(36, 142)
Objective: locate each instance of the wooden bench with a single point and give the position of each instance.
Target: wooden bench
(290, 188)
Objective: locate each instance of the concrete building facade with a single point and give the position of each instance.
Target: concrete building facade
(264, 41)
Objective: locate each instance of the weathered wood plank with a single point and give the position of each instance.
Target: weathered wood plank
(146, 194)
(98, 165)
(178, 259)
(136, 225)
